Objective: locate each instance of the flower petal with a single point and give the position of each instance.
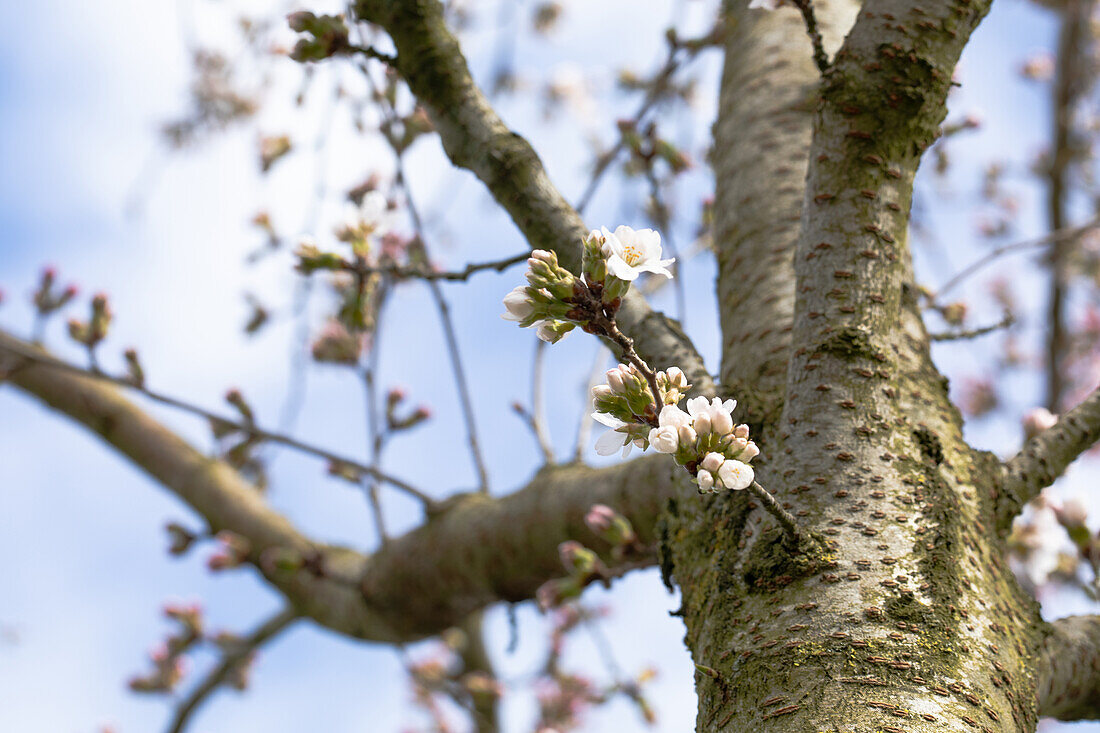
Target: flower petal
(672, 416)
(618, 267)
(610, 421)
(610, 442)
(697, 405)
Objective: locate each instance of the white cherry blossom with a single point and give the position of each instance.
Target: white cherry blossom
(613, 439)
(664, 440)
(712, 462)
(629, 253)
(666, 437)
(736, 475)
(713, 416)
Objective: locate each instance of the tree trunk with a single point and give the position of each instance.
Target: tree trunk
(904, 617)
(911, 620)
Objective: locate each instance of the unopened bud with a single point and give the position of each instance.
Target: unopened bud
(601, 391)
(712, 462)
(1038, 420)
(609, 525)
(721, 422)
(599, 518)
(615, 381)
(749, 452)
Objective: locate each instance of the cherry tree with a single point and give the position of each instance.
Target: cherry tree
(844, 557)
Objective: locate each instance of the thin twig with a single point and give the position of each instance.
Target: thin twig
(373, 53)
(294, 401)
(806, 7)
(627, 345)
(375, 433)
(604, 649)
(245, 647)
(442, 307)
(662, 217)
(408, 273)
(451, 339)
(1053, 237)
(1005, 322)
(657, 88)
(538, 411)
(243, 427)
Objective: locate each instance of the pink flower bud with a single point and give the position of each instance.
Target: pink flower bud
(1038, 420)
(569, 551)
(599, 518)
(601, 391)
(1072, 513)
(741, 431)
(712, 462)
(750, 452)
(615, 381)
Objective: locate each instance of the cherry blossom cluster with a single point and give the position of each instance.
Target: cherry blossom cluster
(706, 442)
(555, 301)
(546, 298)
(625, 404)
(704, 439)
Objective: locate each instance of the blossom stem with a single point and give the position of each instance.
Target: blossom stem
(794, 533)
(627, 345)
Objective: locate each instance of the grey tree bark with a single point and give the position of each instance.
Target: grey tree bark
(907, 618)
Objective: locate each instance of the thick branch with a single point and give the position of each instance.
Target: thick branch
(210, 487)
(473, 551)
(475, 138)
(1069, 670)
(1071, 85)
(482, 550)
(1046, 456)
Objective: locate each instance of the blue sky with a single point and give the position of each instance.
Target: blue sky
(82, 531)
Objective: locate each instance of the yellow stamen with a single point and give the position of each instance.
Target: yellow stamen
(632, 254)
